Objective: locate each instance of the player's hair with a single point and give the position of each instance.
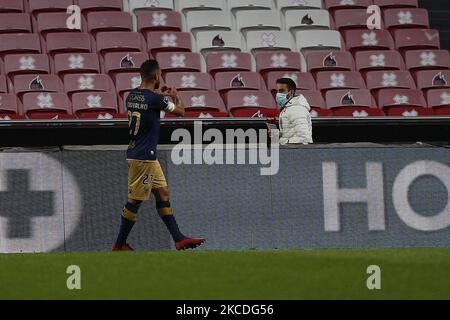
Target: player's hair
(289, 82)
(148, 70)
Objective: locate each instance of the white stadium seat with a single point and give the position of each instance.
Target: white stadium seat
(134, 5)
(318, 40)
(218, 41)
(285, 5)
(200, 5)
(258, 20)
(268, 40)
(238, 5)
(208, 20)
(307, 19)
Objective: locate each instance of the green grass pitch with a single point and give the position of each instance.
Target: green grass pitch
(274, 274)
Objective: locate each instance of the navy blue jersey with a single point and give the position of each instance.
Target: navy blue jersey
(144, 107)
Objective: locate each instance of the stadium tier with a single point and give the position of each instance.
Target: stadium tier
(224, 56)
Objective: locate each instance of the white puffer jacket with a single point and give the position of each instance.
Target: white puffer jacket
(295, 122)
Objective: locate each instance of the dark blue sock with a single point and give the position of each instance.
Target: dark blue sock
(172, 226)
(128, 220)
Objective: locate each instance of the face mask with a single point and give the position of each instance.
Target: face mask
(282, 99)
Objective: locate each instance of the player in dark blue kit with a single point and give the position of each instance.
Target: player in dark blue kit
(145, 176)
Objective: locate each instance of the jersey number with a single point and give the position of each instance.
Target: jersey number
(134, 119)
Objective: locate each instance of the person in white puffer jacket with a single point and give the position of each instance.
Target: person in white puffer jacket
(295, 119)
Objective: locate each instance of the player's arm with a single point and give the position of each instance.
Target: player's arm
(177, 106)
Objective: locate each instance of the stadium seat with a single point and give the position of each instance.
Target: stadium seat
(316, 102)
(439, 100)
(8, 105)
(189, 80)
(68, 42)
(228, 61)
(286, 5)
(127, 81)
(346, 4)
(93, 104)
(11, 6)
(384, 4)
(277, 61)
(406, 102)
(268, 40)
(211, 41)
(161, 41)
(19, 43)
(203, 101)
(329, 80)
(21, 64)
(46, 105)
(406, 18)
(109, 21)
(15, 23)
(120, 41)
(351, 19)
(239, 80)
(208, 21)
(37, 82)
(410, 39)
(379, 60)
(74, 83)
(328, 61)
(88, 6)
(150, 21)
(3, 86)
(246, 5)
(134, 6)
(389, 79)
(258, 20)
(432, 79)
(65, 63)
(249, 103)
(179, 61)
(427, 59)
(116, 62)
(309, 19)
(36, 7)
(352, 103)
(199, 5)
(318, 40)
(368, 40)
(54, 22)
(303, 80)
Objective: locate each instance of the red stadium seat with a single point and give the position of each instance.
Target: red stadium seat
(21, 64)
(410, 39)
(94, 104)
(304, 80)
(368, 40)
(239, 80)
(329, 61)
(351, 19)
(116, 62)
(168, 41)
(389, 79)
(39, 6)
(277, 61)
(46, 105)
(314, 98)
(54, 22)
(10, 6)
(340, 4)
(379, 60)
(3, 86)
(150, 21)
(68, 42)
(228, 61)
(109, 21)
(352, 103)
(19, 43)
(403, 102)
(329, 80)
(396, 3)
(432, 79)
(99, 5)
(74, 83)
(406, 18)
(120, 41)
(439, 100)
(189, 80)
(203, 101)
(249, 103)
(65, 63)
(198, 114)
(8, 104)
(37, 82)
(127, 81)
(179, 61)
(15, 23)
(427, 59)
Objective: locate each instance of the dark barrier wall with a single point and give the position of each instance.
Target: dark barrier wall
(320, 198)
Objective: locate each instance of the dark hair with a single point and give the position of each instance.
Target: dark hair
(289, 82)
(148, 70)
